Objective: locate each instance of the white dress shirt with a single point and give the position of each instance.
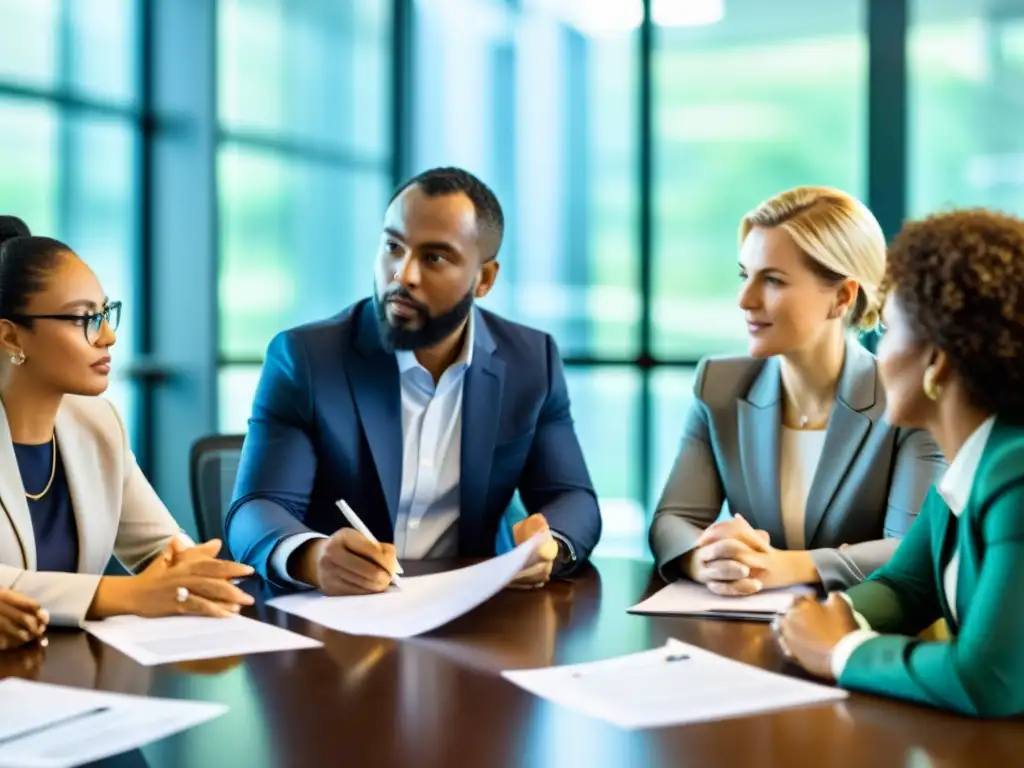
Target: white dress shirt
(798, 463)
(428, 506)
(955, 489)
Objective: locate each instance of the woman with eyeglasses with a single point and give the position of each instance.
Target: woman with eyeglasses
(70, 489)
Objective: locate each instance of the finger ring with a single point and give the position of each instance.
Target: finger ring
(182, 595)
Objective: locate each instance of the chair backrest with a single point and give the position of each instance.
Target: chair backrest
(212, 469)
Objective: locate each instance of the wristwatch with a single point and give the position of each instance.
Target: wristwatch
(566, 558)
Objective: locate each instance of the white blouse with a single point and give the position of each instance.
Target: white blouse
(800, 454)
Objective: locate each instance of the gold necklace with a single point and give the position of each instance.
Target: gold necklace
(53, 472)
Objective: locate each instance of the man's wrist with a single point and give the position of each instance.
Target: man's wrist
(302, 563)
(566, 559)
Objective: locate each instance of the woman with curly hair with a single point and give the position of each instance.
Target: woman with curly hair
(952, 362)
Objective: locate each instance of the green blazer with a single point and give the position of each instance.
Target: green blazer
(980, 671)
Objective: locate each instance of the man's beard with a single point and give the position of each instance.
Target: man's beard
(431, 329)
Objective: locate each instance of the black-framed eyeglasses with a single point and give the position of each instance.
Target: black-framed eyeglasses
(92, 323)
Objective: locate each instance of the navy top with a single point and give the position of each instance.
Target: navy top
(53, 519)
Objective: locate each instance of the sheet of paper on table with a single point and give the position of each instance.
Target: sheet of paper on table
(687, 598)
(54, 726)
(191, 638)
(418, 605)
(672, 685)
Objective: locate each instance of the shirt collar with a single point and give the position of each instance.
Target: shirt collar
(955, 485)
(407, 358)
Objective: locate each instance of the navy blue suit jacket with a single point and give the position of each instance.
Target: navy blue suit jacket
(326, 424)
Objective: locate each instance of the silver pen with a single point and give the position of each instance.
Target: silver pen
(359, 525)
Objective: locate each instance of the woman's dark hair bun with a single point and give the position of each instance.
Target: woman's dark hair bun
(25, 261)
(11, 227)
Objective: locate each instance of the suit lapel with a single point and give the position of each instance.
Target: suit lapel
(378, 399)
(847, 428)
(481, 413)
(96, 531)
(759, 417)
(945, 544)
(12, 495)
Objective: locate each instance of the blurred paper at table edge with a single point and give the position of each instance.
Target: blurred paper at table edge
(61, 727)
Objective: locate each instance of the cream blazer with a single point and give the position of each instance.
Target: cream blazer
(116, 509)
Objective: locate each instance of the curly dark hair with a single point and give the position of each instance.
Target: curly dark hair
(959, 277)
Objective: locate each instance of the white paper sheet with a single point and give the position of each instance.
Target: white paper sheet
(418, 605)
(672, 685)
(686, 598)
(53, 726)
(190, 638)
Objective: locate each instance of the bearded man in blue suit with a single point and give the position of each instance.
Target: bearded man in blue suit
(425, 413)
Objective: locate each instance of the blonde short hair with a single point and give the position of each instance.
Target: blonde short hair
(839, 235)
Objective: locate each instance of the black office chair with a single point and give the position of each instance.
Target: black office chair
(212, 469)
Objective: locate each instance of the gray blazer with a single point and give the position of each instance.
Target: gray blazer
(871, 480)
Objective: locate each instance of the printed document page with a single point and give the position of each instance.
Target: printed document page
(191, 638)
(672, 685)
(418, 605)
(54, 726)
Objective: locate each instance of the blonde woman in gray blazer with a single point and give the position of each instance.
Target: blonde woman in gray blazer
(793, 437)
(70, 490)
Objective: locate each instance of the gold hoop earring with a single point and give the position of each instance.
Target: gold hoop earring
(931, 389)
(18, 358)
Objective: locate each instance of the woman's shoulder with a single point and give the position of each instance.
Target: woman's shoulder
(1003, 460)
(96, 414)
(721, 379)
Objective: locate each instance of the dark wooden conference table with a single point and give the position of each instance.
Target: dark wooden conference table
(439, 700)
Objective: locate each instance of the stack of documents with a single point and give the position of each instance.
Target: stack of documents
(673, 685)
(53, 726)
(191, 638)
(687, 598)
(420, 604)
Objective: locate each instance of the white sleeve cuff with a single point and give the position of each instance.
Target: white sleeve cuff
(844, 649)
(861, 621)
(279, 557)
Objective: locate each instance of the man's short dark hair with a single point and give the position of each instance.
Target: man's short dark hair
(449, 181)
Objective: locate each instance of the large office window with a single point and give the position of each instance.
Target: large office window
(751, 100)
(966, 64)
(540, 99)
(543, 107)
(303, 170)
(69, 141)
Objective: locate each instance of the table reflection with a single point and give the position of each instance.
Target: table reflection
(79, 659)
(22, 662)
